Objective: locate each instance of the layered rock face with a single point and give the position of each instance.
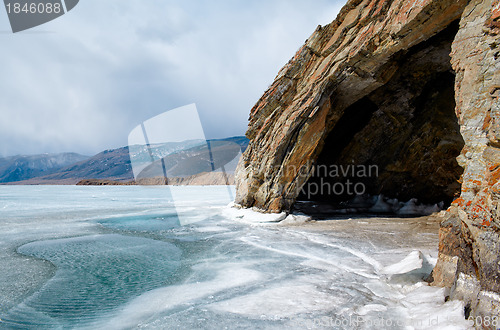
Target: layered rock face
(406, 131)
(378, 86)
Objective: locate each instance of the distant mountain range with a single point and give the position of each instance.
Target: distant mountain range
(18, 168)
(70, 168)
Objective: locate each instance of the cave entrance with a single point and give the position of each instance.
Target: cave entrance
(401, 141)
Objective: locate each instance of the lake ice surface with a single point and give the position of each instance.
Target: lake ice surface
(116, 257)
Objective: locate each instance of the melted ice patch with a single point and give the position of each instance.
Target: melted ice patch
(95, 274)
(162, 300)
(143, 222)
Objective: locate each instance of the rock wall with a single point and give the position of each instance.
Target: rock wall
(469, 259)
(357, 57)
(337, 66)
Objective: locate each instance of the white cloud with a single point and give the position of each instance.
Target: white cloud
(106, 66)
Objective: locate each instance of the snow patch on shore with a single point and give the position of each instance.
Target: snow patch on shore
(255, 217)
(251, 216)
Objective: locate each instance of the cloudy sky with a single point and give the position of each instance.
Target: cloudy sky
(83, 81)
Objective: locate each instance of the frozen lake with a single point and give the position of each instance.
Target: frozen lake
(121, 257)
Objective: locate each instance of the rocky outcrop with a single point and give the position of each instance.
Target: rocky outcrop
(201, 179)
(473, 223)
(378, 86)
(103, 182)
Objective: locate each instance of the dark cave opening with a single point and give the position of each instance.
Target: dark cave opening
(400, 141)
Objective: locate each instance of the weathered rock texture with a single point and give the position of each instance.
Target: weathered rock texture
(376, 86)
(407, 128)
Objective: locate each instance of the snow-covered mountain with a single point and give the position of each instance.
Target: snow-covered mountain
(18, 168)
(112, 164)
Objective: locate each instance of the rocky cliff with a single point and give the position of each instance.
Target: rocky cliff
(410, 87)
